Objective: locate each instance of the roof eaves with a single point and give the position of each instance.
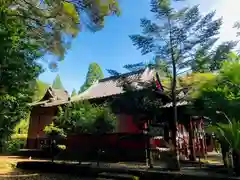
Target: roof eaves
(55, 103)
(82, 96)
(38, 103)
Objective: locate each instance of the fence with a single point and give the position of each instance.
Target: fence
(114, 147)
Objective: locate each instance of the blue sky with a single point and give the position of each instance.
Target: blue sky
(111, 47)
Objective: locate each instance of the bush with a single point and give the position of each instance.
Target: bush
(16, 142)
(14, 145)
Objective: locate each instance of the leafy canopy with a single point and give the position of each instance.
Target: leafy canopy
(222, 92)
(18, 69)
(209, 59)
(176, 35)
(52, 24)
(83, 117)
(228, 133)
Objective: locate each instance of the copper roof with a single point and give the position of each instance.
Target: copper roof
(113, 85)
(56, 96)
(102, 88)
(59, 94)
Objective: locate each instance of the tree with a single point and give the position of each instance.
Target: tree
(74, 93)
(28, 31)
(208, 59)
(53, 24)
(220, 93)
(94, 74)
(57, 83)
(159, 65)
(228, 133)
(83, 117)
(40, 90)
(18, 69)
(174, 39)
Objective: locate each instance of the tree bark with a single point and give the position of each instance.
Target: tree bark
(174, 98)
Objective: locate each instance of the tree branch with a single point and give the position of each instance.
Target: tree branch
(183, 71)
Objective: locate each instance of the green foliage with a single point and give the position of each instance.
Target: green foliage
(52, 131)
(40, 90)
(208, 59)
(228, 132)
(159, 65)
(22, 126)
(220, 93)
(53, 24)
(74, 93)
(14, 145)
(83, 117)
(28, 31)
(57, 83)
(94, 73)
(18, 69)
(194, 82)
(174, 38)
(181, 31)
(19, 136)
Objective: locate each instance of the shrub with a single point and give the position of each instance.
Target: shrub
(54, 131)
(14, 145)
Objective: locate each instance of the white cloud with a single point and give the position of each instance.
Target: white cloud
(229, 10)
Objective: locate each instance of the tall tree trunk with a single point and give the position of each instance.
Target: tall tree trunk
(174, 123)
(174, 99)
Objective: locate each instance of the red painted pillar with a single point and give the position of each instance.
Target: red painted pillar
(191, 141)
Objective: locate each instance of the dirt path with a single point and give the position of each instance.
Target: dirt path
(8, 163)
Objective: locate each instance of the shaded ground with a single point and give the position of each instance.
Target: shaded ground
(91, 170)
(8, 167)
(8, 163)
(8, 171)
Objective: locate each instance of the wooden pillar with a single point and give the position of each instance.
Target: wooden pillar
(191, 141)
